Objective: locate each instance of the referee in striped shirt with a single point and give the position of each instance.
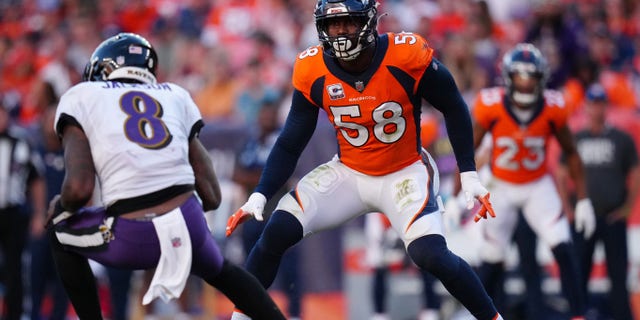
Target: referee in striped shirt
(22, 196)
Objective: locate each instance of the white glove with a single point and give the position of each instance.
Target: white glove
(454, 208)
(471, 187)
(252, 208)
(255, 205)
(585, 218)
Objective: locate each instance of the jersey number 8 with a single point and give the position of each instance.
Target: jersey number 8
(144, 125)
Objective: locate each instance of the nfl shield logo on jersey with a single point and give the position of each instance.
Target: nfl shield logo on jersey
(176, 242)
(335, 91)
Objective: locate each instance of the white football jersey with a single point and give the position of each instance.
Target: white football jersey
(138, 134)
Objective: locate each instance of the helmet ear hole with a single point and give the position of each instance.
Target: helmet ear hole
(107, 67)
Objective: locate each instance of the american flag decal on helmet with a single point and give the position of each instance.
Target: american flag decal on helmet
(135, 50)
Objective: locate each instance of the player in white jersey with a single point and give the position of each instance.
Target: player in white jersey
(140, 138)
(126, 156)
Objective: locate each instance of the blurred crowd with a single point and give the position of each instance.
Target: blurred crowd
(236, 56)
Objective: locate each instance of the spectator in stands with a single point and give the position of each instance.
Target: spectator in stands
(253, 92)
(557, 39)
(217, 97)
(612, 175)
(584, 73)
(615, 72)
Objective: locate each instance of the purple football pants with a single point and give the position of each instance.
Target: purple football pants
(135, 245)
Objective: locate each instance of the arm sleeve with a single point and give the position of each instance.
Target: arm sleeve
(297, 131)
(438, 87)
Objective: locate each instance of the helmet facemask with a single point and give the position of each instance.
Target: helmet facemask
(527, 90)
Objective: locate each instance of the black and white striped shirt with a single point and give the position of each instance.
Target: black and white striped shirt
(19, 165)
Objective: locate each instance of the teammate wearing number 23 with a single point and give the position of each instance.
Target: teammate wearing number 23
(521, 118)
(371, 86)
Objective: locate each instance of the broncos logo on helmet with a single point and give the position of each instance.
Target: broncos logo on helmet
(527, 62)
(347, 47)
(125, 57)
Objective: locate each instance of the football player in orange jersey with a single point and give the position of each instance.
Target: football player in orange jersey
(371, 86)
(521, 118)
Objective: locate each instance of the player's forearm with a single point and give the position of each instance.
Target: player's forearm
(439, 88)
(206, 181)
(283, 158)
(79, 181)
(461, 140)
(278, 169)
(209, 192)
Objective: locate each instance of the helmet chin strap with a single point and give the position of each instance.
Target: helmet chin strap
(134, 73)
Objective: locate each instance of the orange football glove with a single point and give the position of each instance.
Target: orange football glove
(485, 206)
(252, 208)
(236, 219)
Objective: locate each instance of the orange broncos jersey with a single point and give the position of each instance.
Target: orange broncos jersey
(376, 114)
(519, 150)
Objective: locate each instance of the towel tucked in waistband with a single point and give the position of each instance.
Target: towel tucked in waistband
(174, 266)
